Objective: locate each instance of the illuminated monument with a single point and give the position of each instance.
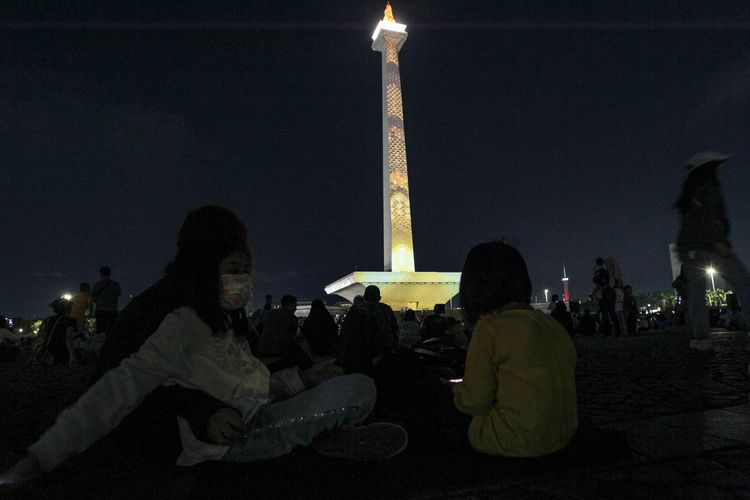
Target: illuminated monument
(400, 285)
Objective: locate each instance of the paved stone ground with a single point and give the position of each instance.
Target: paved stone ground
(686, 415)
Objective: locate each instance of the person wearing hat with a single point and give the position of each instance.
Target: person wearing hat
(703, 241)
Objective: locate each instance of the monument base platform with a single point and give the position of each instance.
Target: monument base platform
(417, 290)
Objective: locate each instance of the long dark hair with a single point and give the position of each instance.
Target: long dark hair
(208, 236)
(493, 276)
(318, 308)
(699, 177)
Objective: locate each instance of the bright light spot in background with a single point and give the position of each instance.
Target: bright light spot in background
(711, 270)
(67, 296)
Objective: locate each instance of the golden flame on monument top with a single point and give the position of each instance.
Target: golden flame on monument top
(388, 13)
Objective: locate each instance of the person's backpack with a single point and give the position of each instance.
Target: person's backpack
(601, 278)
(608, 296)
(356, 342)
(435, 327)
(40, 353)
(385, 327)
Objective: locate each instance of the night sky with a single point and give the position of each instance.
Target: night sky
(563, 129)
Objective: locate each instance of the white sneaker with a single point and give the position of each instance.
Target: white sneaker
(376, 441)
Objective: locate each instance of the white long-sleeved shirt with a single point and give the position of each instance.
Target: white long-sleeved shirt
(182, 351)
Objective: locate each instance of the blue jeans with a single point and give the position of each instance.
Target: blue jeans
(277, 428)
(730, 268)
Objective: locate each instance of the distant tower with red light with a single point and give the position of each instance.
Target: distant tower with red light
(566, 290)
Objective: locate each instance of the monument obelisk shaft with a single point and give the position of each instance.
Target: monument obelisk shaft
(400, 284)
(398, 246)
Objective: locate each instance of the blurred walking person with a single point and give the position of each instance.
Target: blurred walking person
(703, 241)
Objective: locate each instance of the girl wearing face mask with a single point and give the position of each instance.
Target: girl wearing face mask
(202, 345)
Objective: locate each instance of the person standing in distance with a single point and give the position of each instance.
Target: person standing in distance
(105, 295)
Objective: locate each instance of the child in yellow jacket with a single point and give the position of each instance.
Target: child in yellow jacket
(519, 383)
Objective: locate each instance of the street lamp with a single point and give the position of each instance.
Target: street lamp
(546, 291)
(711, 271)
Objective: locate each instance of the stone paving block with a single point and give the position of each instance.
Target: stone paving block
(513, 495)
(724, 479)
(655, 474)
(634, 460)
(572, 487)
(744, 409)
(633, 490)
(658, 440)
(493, 494)
(743, 452)
(614, 476)
(740, 493)
(718, 423)
(694, 491)
(735, 459)
(692, 466)
(644, 474)
(678, 490)
(720, 401)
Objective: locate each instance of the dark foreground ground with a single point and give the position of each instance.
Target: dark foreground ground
(659, 421)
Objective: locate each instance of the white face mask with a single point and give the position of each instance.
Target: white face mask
(236, 291)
